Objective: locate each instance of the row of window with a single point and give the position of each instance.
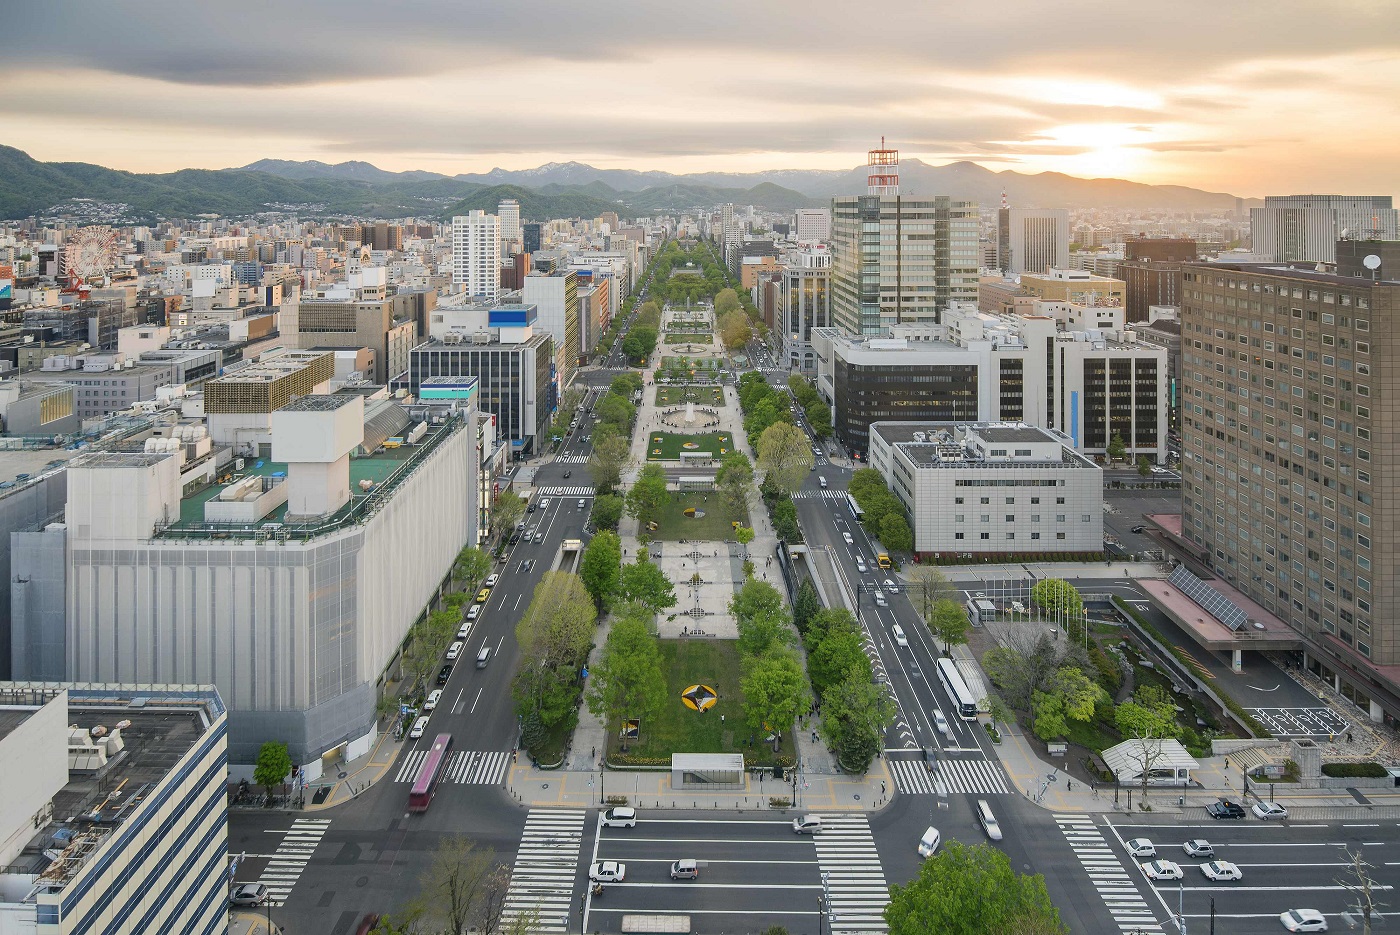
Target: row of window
(1011, 517)
(1009, 535)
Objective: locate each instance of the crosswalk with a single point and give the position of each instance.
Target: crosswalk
(571, 459)
(952, 776)
(1116, 887)
(856, 886)
(542, 880)
(468, 767)
(827, 494)
(563, 491)
(293, 853)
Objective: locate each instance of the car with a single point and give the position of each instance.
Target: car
(1162, 870)
(847, 537)
(454, 651)
(1225, 810)
(419, 726)
(930, 758)
(473, 612)
(491, 580)
(607, 871)
(544, 505)
(248, 894)
(807, 824)
(444, 674)
(891, 586)
(1141, 847)
(1139, 528)
(434, 697)
(1269, 811)
(620, 817)
(940, 721)
(880, 598)
(928, 844)
(1303, 920)
(1221, 870)
(899, 638)
(580, 503)
(684, 870)
(1198, 847)
(568, 473)
(532, 507)
(539, 537)
(527, 566)
(483, 595)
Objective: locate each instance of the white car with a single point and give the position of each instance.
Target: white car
(419, 726)
(899, 638)
(1221, 870)
(847, 537)
(491, 581)
(1141, 847)
(928, 844)
(1199, 847)
(620, 817)
(891, 586)
(607, 871)
(1269, 811)
(465, 630)
(433, 698)
(1161, 870)
(880, 598)
(454, 650)
(1304, 920)
(940, 721)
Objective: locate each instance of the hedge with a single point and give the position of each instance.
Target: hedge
(1248, 720)
(1354, 770)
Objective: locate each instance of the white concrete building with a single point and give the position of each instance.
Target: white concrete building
(1002, 489)
(811, 225)
(1307, 227)
(476, 254)
(509, 213)
(1032, 240)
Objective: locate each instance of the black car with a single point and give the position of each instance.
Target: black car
(444, 674)
(1139, 528)
(1225, 809)
(568, 473)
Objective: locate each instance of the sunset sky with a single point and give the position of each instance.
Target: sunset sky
(1247, 97)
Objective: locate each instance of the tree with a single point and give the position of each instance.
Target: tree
(727, 300)
(819, 418)
(855, 715)
(971, 890)
(639, 343)
(611, 455)
(1021, 671)
(646, 584)
(506, 511)
(895, 533)
(775, 691)
(1080, 694)
(805, 604)
(273, 766)
(471, 566)
(755, 598)
(1144, 468)
(949, 623)
(1059, 599)
(744, 535)
(607, 511)
(734, 478)
(627, 680)
(626, 385)
(615, 411)
(785, 455)
(463, 885)
(735, 330)
(838, 655)
(601, 566)
(557, 627)
(1149, 718)
(649, 494)
(785, 520)
(927, 585)
(1361, 887)
(1117, 450)
(763, 632)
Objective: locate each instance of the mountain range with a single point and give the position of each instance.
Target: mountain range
(571, 189)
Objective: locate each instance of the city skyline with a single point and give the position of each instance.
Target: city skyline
(1201, 97)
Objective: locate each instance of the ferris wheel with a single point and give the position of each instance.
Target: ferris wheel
(89, 254)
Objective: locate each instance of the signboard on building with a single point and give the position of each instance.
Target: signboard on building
(7, 285)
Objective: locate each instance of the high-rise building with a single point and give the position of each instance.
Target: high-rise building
(1287, 443)
(897, 259)
(532, 233)
(555, 294)
(811, 225)
(1152, 274)
(805, 304)
(476, 254)
(509, 213)
(1306, 228)
(1032, 240)
(729, 229)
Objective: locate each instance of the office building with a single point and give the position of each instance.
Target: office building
(990, 489)
(1032, 240)
(897, 259)
(1151, 274)
(1287, 430)
(476, 254)
(38, 409)
(115, 813)
(532, 233)
(509, 213)
(1074, 285)
(804, 303)
(729, 234)
(1352, 259)
(812, 225)
(1306, 228)
(555, 296)
(387, 326)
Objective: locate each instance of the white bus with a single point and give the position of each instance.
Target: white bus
(957, 689)
(856, 511)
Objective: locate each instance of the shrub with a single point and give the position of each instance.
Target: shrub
(779, 803)
(1110, 674)
(1354, 770)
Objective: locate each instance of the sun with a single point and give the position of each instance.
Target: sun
(1098, 149)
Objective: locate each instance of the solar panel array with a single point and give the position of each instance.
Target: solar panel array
(1216, 604)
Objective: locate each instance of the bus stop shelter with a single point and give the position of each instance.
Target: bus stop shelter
(707, 770)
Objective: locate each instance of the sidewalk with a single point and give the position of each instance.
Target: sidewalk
(250, 922)
(357, 775)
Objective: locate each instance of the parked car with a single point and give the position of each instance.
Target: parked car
(444, 674)
(248, 894)
(807, 824)
(1221, 870)
(607, 871)
(928, 844)
(1225, 809)
(1162, 870)
(1199, 847)
(434, 697)
(454, 650)
(620, 817)
(1269, 811)
(419, 726)
(491, 580)
(483, 595)
(1304, 920)
(1141, 847)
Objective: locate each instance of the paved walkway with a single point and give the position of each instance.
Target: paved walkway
(250, 922)
(360, 773)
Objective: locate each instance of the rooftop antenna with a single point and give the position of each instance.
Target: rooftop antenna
(882, 171)
(1004, 203)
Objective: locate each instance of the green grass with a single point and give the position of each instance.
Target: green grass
(715, 525)
(670, 446)
(683, 364)
(678, 729)
(684, 338)
(712, 396)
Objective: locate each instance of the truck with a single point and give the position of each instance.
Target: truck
(883, 561)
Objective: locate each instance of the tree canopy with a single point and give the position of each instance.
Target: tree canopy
(785, 455)
(645, 583)
(627, 680)
(971, 890)
(273, 766)
(648, 495)
(601, 566)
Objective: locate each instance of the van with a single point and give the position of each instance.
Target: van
(454, 650)
(928, 844)
(822, 481)
(988, 820)
(684, 870)
(483, 656)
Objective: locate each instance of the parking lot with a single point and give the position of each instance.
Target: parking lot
(1284, 865)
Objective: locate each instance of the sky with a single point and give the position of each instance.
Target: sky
(1240, 96)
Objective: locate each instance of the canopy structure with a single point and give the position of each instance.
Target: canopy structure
(693, 770)
(1165, 761)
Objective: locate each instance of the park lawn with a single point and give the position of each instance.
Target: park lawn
(712, 396)
(678, 729)
(714, 526)
(671, 445)
(686, 364)
(687, 337)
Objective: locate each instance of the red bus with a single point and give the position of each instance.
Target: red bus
(421, 794)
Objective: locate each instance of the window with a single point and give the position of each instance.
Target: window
(1059, 517)
(1059, 535)
(957, 535)
(1011, 517)
(986, 535)
(1086, 517)
(1035, 535)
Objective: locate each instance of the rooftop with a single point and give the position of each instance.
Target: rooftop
(328, 403)
(1307, 272)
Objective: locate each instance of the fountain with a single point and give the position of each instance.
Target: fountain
(689, 412)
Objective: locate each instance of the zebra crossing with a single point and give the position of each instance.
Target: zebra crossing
(1116, 887)
(975, 776)
(542, 880)
(828, 494)
(563, 491)
(468, 767)
(293, 854)
(571, 459)
(856, 886)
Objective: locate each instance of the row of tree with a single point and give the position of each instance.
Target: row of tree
(555, 635)
(774, 686)
(884, 513)
(818, 413)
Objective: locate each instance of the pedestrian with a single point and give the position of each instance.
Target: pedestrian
(814, 736)
(882, 787)
(1069, 785)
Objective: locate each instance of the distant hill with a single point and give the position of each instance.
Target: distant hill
(537, 205)
(355, 171)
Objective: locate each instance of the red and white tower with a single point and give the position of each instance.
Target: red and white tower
(882, 171)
